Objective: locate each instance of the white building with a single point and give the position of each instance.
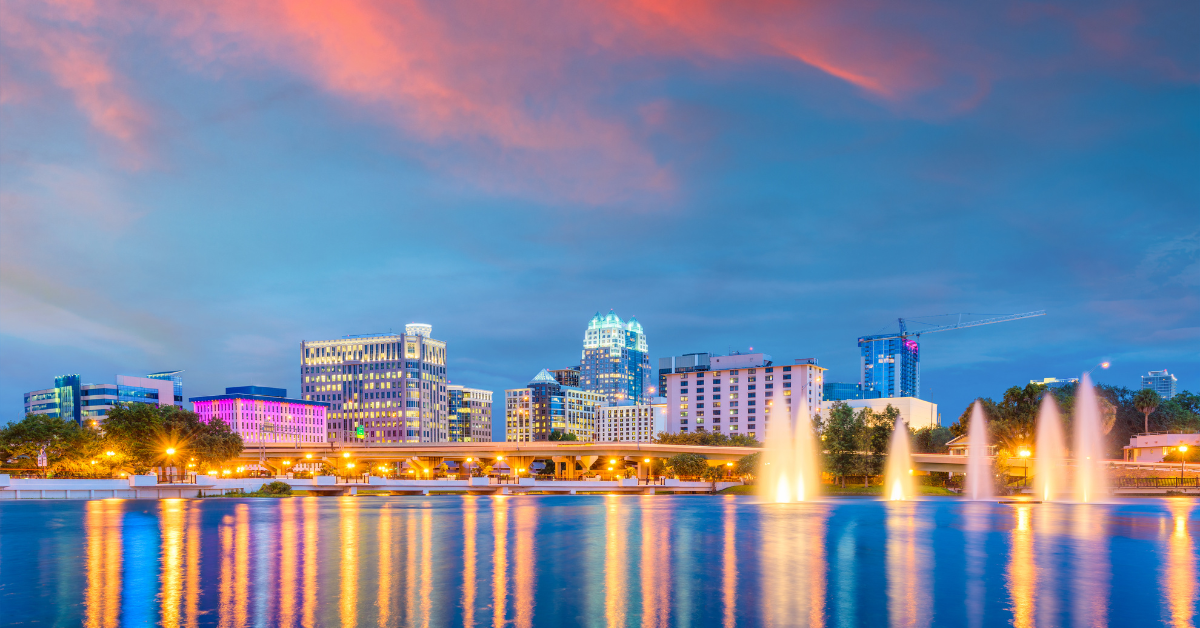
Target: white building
(1152, 447)
(918, 412)
(631, 422)
(1160, 382)
(380, 387)
(545, 406)
(737, 395)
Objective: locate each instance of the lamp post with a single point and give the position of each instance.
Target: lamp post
(1025, 471)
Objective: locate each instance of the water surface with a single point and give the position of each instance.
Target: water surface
(596, 561)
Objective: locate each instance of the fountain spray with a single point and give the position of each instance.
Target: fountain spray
(979, 466)
(775, 472)
(1090, 483)
(1049, 475)
(804, 466)
(898, 479)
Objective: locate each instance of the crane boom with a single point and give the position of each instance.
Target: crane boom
(959, 325)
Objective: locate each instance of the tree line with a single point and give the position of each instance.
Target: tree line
(133, 438)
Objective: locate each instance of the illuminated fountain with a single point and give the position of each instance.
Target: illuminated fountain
(789, 472)
(1049, 480)
(897, 477)
(979, 466)
(1090, 482)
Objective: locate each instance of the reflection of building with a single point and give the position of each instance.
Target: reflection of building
(545, 406)
(390, 385)
(631, 421)
(737, 395)
(260, 414)
(686, 363)
(89, 403)
(470, 414)
(567, 377)
(918, 412)
(1160, 382)
(890, 366)
(616, 359)
(1152, 447)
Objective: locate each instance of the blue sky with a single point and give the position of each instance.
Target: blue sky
(203, 187)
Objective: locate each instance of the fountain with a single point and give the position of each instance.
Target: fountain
(979, 466)
(1049, 477)
(1090, 481)
(897, 478)
(789, 472)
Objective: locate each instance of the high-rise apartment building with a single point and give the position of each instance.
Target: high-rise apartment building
(546, 406)
(631, 422)
(260, 414)
(88, 404)
(1160, 382)
(567, 377)
(739, 392)
(616, 359)
(890, 366)
(381, 388)
(470, 414)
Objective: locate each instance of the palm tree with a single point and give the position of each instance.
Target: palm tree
(1146, 401)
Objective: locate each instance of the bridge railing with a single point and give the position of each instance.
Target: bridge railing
(1193, 482)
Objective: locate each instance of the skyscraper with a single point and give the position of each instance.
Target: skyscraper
(545, 406)
(470, 414)
(616, 359)
(891, 367)
(381, 388)
(1160, 382)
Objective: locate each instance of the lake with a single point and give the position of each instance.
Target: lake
(596, 561)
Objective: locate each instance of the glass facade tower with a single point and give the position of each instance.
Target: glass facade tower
(616, 360)
(891, 367)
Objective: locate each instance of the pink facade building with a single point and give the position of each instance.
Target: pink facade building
(265, 415)
(738, 394)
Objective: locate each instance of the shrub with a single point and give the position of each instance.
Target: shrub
(277, 488)
(688, 465)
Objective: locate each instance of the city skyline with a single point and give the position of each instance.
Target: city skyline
(789, 180)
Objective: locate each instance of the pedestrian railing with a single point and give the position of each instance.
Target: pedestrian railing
(1193, 482)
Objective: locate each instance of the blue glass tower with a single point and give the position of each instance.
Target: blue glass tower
(616, 359)
(891, 367)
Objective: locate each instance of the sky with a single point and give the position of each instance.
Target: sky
(203, 185)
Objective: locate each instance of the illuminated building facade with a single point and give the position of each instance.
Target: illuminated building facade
(381, 388)
(631, 422)
(470, 414)
(1160, 382)
(891, 367)
(739, 392)
(616, 359)
(260, 414)
(567, 377)
(88, 404)
(545, 406)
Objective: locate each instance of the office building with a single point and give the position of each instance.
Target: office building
(739, 392)
(890, 367)
(88, 404)
(1160, 382)
(260, 415)
(917, 412)
(686, 363)
(380, 387)
(631, 422)
(567, 377)
(616, 359)
(470, 414)
(1055, 382)
(545, 406)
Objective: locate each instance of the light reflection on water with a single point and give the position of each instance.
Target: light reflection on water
(653, 561)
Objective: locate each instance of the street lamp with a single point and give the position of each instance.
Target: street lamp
(1024, 453)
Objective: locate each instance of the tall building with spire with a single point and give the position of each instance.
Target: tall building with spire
(616, 360)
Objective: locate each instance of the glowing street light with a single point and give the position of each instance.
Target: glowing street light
(346, 455)
(308, 456)
(170, 451)
(1025, 453)
(110, 454)
(1182, 456)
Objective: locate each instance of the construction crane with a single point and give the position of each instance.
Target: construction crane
(891, 362)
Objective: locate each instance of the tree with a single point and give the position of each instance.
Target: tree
(841, 440)
(707, 439)
(41, 434)
(556, 435)
(1146, 401)
(931, 439)
(687, 465)
(748, 465)
(144, 433)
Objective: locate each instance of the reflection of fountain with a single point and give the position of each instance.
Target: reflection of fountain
(909, 562)
(1049, 480)
(898, 480)
(1091, 569)
(1090, 483)
(789, 471)
(979, 466)
(1179, 569)
(794, 542)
